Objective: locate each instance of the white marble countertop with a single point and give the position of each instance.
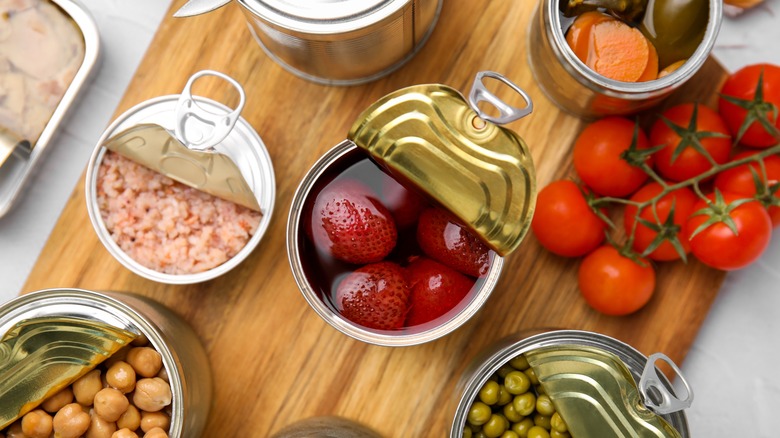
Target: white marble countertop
(732, 365)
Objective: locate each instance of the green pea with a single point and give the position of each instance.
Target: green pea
(517, 382)
(521, 428)
(531, 376)
(525, 404)
(467, 433)
(538, 432)
(504, 396)
(479, 414)
(495, 426)
(558, 424)
(519, 363)
(489, 392)
(542, 421)
(480, 434)
(511, 414)
(510, 434)
(544, 405)
(555, 434)
(504, 370)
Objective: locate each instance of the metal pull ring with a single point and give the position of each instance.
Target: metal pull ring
(655, 395)
(199, 129)
(507, 113)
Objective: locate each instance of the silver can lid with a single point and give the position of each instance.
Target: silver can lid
(324, 16)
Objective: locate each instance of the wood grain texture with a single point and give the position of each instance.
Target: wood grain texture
(274, 360)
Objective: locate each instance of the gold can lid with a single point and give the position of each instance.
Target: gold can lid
(431, 138)
(595, 393)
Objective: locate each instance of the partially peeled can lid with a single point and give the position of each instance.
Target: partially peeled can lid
(193, 153)
(430, 137)
(10, 143)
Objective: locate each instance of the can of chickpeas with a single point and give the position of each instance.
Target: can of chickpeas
(566, 383)
(81, 363)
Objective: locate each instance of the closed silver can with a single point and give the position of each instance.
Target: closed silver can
(183, 356)
(577, 89)
(657, 396)
(335, 42)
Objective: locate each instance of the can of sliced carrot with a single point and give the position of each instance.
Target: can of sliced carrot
(608, 57)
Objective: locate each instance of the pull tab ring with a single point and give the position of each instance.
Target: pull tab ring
(507, 113)
(655, 395)
(199, 129)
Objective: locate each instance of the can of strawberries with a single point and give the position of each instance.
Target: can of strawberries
(396, 236)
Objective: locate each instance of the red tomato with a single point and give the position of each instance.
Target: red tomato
(614, 284)
(564, 223)
(598, 161)
(690, 162)
(719, 247)
(683, 200)
(743, 85)
(739, 180)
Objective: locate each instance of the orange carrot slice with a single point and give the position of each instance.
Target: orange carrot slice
(669, 69)
(578, 35)
(651, 70)
(620, 52)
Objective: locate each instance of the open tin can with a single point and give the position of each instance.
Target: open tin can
(430, 140)
(600, 386)
(576, 88)
(182, 353)
(200, 143)
(19, 154)
(342, 42)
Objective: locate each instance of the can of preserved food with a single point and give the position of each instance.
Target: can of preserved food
(66, 323)
(572, 382)
(180, 189)
(426, 185)
(676, 36)
(342, 42)
(326, 427)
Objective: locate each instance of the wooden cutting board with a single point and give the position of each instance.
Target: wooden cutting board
(274, 360)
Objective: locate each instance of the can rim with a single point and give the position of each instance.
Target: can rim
(635, 90)
(128, 262)
(37, 301)
(376, 337)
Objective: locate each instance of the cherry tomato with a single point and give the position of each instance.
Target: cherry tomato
(690, 162)
(739, 180)
(683, 200)
(742, 85)
(614, 284)
(597, 157)
(718, 246)
(564, 223)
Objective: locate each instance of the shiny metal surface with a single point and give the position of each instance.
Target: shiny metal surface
(487, 362)
(182, 353)
(343, 42)
(11, 143)
(430, 137)
(577, 89)
(197, 7)
(17, 169)
(243, 146)
(347, 151)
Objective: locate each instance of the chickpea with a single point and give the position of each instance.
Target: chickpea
(131, 419)
(100, 428)
(151, 395)
(58, 400)
(156, 433)
(124, 433)
(140, 341)
(121, 376)
(150, 420)
(15, 430)
(110, 404)
(85, 388)
(145, 360)
(163, 374)
(70, 422)
(37, 424)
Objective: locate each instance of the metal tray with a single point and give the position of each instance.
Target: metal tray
(18, 169)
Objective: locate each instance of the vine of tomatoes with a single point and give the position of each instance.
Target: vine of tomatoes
(704, 183)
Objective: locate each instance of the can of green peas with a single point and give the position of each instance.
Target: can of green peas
(566, 383)
(58, 328)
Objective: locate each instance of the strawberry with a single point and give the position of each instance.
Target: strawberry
(446, 241)
(435, 290)
(375, 296)
(404, 204)
(351, 224)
